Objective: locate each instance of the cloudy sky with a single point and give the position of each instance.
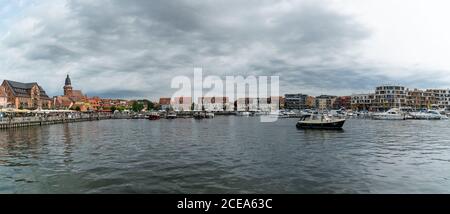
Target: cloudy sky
(130, 49)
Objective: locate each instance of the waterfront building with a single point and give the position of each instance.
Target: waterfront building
(182, 104)
(276, 103)
(310, 102)
(26, 95)
(389, 96)
(3, 98)
(342, 102)
(295, 101)
(106, 104)
(360, 102)
(247, 104)
(74, 95)
(282, 101)
(72, 98)
(164, 103)
(419, 99)
(217, 104)
(267, 104)
(325, 101)
(62, 102)
(442, 97)
(95, 103)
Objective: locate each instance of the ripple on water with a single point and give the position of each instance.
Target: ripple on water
(226, 155)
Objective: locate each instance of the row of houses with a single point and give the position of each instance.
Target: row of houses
(32, 96)
(289, 102)
(395, 96)
(221, 104)
(303, 101)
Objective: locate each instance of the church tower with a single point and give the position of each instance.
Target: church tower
(68, 87)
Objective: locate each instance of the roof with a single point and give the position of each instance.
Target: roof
(68, 82)
(3, 92)
(164, 101)
(23, 89)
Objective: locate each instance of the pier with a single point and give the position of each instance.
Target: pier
(17, 122)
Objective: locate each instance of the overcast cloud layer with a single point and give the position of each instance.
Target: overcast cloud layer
(132, 49)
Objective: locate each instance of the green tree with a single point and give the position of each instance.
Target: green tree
(113, 108)
(77, 108)
(137, 107)
(150, 105)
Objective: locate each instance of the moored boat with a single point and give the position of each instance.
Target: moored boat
(209, 115)
(154, 116)
(428, 115)
(171, 116)
(392, 114)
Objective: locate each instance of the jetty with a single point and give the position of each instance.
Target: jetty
(17, 122)
(24, 118)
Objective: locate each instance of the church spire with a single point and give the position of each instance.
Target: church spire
(68, 82)
(68, 87)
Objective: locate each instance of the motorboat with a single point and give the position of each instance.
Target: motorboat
(245, 114)
(203, 115)
(171, 115)
(209, 115)
(320, 121)
(391, 114)
(154, 116)
(428, 115)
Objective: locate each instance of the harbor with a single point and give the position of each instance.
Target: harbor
(227, 154)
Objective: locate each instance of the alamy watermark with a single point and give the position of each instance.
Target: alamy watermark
(250, 94)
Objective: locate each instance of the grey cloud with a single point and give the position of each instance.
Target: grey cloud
(151, 41)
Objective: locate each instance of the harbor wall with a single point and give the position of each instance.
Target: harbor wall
(17, 122)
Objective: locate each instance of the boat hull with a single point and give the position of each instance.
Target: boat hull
(389, 118)
(154, 117)
(327, 125)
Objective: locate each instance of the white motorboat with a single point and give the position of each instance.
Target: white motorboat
(244, 114)
(392, 114)
(428, 115)
(171, 115)
(209, 115)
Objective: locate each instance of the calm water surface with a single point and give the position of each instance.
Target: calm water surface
(226, 155)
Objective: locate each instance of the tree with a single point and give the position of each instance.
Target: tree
(113, 109)
(193, 107)
(137, 107)
(151, 105)
(77, 108)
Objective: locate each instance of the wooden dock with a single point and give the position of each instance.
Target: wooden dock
(17, 122)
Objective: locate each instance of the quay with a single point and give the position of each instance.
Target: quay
(40, 120)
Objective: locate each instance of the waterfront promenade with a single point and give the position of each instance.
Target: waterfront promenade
(41, 120)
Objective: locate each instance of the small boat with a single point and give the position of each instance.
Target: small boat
(320, 121)
(154, 116)
(428, 115)
(245, 114)
(199, 116)
(209, 115)
(203, 115)
(171, 116)
(392, 114)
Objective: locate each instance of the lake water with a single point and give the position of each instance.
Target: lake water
(226, 155)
